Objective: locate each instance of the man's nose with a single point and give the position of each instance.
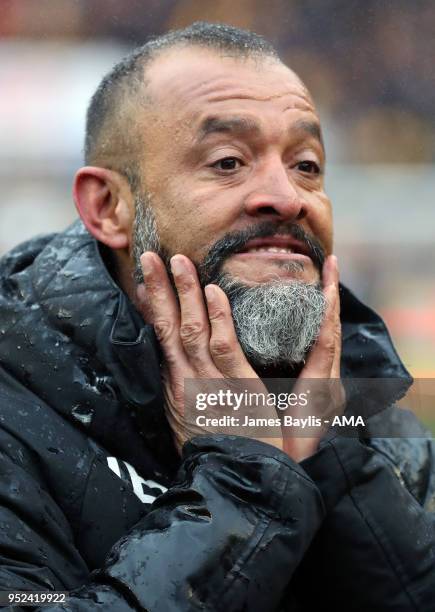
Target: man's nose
(276, 196)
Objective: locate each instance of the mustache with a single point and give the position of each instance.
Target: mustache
(233, 242)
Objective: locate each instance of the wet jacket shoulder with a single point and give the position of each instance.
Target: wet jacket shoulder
(95, 501)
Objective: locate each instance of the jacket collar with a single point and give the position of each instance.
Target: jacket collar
(104, 363)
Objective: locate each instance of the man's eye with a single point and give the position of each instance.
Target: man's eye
(309, 167)
(227, 164)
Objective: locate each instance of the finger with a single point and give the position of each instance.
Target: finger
(194, 324)
(321, 357)
(225, 349)
(162, 302)
(337, 390)
(335, 370)
(330, 272)
(142, 304)
(331, 286)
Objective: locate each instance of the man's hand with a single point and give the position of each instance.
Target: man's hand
(198, 342)
(323, 362)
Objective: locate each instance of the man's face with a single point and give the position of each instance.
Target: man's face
(233, 166)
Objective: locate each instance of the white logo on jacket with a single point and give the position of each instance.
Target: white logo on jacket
(143, 488)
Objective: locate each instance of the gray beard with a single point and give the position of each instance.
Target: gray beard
(145, 234)
(276, 322)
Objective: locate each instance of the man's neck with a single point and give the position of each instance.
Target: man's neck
(120, 269)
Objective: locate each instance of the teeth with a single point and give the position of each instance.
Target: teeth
(269, 250)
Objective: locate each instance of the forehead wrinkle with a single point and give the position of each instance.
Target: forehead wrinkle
(237, 94)
(195, 97)
(225, 78)
(224, 87)
(244, 124)
(202, 90)
(220, 119)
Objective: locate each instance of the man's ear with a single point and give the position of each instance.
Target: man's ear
(106, 205)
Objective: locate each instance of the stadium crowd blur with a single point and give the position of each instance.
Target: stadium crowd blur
(369, 65)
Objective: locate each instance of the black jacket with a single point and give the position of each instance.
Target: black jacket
(95, 500)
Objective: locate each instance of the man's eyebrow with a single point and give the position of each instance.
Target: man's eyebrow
(312, 128)
(243, 125)
(227, 125)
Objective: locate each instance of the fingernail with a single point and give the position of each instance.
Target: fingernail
(147, 264)
(141, 292)
(210, 293)
(177, 265)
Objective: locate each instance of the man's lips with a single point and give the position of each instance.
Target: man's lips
(279, 245)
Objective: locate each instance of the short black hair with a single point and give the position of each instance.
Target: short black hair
(110, 138)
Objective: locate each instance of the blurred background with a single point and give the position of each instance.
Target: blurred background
(370, 67)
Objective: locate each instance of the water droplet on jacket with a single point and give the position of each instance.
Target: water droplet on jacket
(19, 536)
(42, 553)
(82, 414)
(64, 314)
